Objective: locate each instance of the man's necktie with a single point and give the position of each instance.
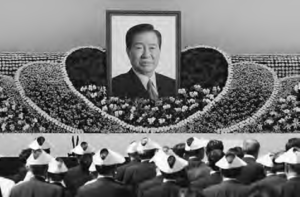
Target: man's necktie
(151, 90)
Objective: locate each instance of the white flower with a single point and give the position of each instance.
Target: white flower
(94, 87)
(131, 116)
(3, 126)
(191, 101)
(140, 119)
(286, 111)
(181, 91)
(297, 87)
(177, 109)
(282, 100)
(161, 120)
(210, 96)
(269, 121)
(172, 99)
(169, 116)
(132, 109)
(104, 108)
(206, 91)
(25, 127)
(147, 107)
(193, 94)
(291, 98)
(177, 102)
(154, 108)
(90, 87)
(167, 106)
(273, 113)
(184, 108)
(282, 120)
(1, 89)
(297, 109)
(103, 101)
(151, 120)
(197, 87)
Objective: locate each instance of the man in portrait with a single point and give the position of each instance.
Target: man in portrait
(143, 47)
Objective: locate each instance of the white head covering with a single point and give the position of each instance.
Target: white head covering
(230, 161)
(107, 157)
(132, 148)
(39, 158)
(292, 156)
(80, 149)
(147, 144)
(169, 162)
(92, 167)
(266, 160)
(195, 143)
(39, 144)
(57, 166)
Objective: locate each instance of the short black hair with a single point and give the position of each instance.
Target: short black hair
(231, 173)
(292, 142)
(238, 151)
(213, 157)
(106, 170)
(214, 144)
(141, 28)
(39, 170)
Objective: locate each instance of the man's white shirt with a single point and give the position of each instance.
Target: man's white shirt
(145, 79)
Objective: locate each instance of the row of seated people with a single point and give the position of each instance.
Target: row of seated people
(151, 170)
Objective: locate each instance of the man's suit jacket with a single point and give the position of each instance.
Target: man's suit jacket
(67, 193)
(273, 181)
(136, 174)
(148, 184)
(36, 187)
(167, 189)
(213, 179)
(75, 178)
(252, 172)
(230, 188)
(129, 85)
(105, 187)
(197, 171)
(120, 172)
(291, 188)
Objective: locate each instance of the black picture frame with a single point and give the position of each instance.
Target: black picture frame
(140, 13)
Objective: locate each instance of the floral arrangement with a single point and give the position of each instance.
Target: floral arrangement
(46, 88)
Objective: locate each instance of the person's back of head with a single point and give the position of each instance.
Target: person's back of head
(178, 149)
(213, 145)
(251, 147)
(25, 153)
(293, 142)
(238, 151)
(85, 161)
(213, 157)
(278, 167)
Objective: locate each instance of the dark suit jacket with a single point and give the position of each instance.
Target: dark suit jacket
(67, 193)
(36, 187)
(105, 187)
(252, 172)
(148, 184)
(167, 189)
(291, 188)
(75, 178)
(274, 182)
(213, 179)
(230, 188)
(197, 171)
(136, 174)
(129, 85)
(120, 172)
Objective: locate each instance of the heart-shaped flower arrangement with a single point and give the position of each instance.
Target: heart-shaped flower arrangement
(207, 106)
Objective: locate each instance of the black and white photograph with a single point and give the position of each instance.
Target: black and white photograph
(161, 98)
(143, 53)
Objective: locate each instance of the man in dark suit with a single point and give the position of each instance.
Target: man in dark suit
(291, 188)
(197, 170)
(134, 159)
(230, 166)
(143, 45)
(253, 171)
(105, 162)
(145, 170)
(271, 181)
(56, 173)
(172, 169)
(36, 186)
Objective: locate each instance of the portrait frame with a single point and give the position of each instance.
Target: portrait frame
(135, 17)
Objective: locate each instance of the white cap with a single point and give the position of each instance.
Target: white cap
(82, 148)
(230, 161)
(39, 158)
(195, 143)
(147, 144)
(169, 163)
(39, 143)
(107, 157)
(57, 166)
(292, 156)
(92, 167)
(132, 148)
(266, 160)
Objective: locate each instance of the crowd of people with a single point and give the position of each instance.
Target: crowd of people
(152, 170)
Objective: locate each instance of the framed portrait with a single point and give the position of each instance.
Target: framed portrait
(143, 53)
